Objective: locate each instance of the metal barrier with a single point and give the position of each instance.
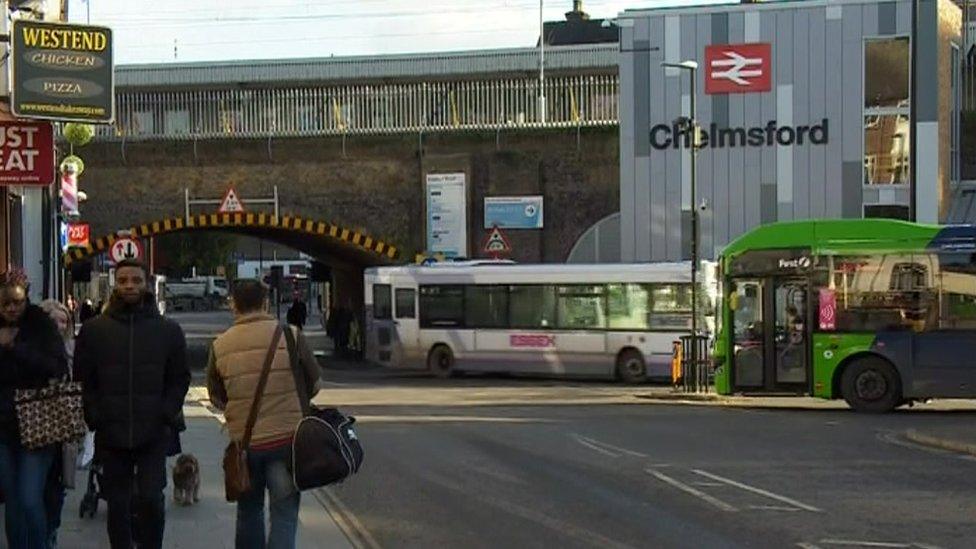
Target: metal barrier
(696, 376)
(436, 106)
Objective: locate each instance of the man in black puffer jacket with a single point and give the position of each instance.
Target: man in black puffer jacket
(132, 362)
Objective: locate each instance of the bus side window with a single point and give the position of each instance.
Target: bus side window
(405, 303)
(382, 302)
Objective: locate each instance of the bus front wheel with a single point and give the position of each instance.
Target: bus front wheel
(871, 384)
(440, 361)
(631, 367)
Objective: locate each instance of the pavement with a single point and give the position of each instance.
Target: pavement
(210, 523)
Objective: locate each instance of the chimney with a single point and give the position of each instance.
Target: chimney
(577, 14)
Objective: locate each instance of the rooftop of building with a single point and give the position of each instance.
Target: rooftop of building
(581, 58)
(579, 28)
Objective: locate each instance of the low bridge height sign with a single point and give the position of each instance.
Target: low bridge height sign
(62, 72)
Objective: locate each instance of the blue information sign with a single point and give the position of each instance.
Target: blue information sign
(513, 212)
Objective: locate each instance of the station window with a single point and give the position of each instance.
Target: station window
(887, 104)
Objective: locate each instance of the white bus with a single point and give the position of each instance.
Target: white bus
(602, 320)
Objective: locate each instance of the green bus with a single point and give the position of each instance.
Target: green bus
(878, 312)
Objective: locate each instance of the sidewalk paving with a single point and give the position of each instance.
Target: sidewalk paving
(667, 395)
(210, 523)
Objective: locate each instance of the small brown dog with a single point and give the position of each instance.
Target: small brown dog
(186, 480)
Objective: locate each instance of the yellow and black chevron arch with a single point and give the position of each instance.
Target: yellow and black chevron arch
(292, 223)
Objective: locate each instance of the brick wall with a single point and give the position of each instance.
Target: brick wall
(373, 184)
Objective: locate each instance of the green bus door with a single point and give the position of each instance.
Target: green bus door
(771, 339)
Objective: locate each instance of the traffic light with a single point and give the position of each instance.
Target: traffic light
(81, 271)
(277, 273)
(321, 272)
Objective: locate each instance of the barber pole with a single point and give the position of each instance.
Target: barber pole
(69, 189)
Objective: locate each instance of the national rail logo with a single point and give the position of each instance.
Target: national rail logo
(738, 68)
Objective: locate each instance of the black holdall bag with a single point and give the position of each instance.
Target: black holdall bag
(325, 449)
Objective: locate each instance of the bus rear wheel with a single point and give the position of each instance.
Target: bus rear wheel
(631, 367)
(440, 361)
(872, 385)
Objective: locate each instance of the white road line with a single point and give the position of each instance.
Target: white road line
(805, 545)
(596, 448)
(691, 490)
(614, 448)
(759, 491)
(861, 543)
(707, 483)
(774, 508)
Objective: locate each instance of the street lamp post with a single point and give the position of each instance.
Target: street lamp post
(692, 126)
(542, 63)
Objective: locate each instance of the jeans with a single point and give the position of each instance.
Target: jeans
(133, 480)
(54, 496)
(23, 477)
(269, 471)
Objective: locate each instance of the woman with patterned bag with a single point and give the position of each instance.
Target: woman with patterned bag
(31, 354)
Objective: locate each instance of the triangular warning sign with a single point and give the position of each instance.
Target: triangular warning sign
(231, 203)
(496, 244)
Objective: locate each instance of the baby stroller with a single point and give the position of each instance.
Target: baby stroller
(94, 493)
(89, 503)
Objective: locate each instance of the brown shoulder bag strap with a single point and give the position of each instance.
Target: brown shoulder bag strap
(252, 417)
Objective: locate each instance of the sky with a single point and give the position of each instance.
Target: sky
(154, 31)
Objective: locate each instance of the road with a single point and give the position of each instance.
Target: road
(525, 466)
(494, 462)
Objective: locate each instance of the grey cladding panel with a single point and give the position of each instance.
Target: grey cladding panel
(887, 18)
(817, 88)
(869, 18)
(801, 111)
(769, 203)
(852, 58)
(852, 193)
(927, 83)
(783, 52)
(642, 78)
(736, 166)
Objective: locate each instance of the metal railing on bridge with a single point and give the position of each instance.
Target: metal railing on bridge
(572, 101)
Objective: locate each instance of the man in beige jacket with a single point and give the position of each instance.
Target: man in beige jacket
(236, 360)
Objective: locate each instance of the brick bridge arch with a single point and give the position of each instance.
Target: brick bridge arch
(314, 237)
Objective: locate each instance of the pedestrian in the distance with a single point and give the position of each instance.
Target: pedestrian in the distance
(237, 359)
(132, 362)
(58, 482)
(298, 312)
(87, 311)
(31, 354)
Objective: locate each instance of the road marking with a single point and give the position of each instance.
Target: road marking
(691, 490)
(860, 543)
(774, 508)
(759, 491)
(596, 448)
(805, 545)
(612, 447)
(707, 483)
(355, 532)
